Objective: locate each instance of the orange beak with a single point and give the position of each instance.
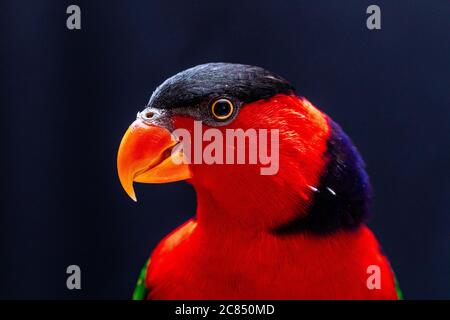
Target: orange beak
(146, 155)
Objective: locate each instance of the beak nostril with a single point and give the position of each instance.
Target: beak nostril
(149, 115)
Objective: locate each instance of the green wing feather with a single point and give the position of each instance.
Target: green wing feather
(397, 288)
(141, 291)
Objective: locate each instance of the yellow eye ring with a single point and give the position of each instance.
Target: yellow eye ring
(222, 109)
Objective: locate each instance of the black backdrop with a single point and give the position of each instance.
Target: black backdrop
(67, 97)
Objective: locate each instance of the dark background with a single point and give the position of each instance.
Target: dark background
(68, 96)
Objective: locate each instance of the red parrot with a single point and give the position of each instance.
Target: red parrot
(299, 233)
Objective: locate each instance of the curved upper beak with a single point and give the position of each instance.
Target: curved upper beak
(146, 155)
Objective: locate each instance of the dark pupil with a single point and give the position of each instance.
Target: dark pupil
(222, 108)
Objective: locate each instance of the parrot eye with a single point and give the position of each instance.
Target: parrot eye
(222, 109)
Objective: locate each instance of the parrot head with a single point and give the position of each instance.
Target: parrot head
(297, 168)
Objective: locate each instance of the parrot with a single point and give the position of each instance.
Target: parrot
(299, 233)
